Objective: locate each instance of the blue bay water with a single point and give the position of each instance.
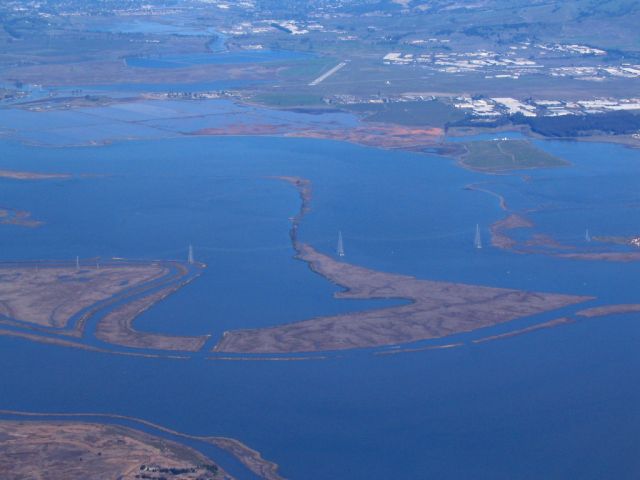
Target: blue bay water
(554, 404)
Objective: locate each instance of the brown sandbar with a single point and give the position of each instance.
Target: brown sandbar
(514, 333)
(18, 175)
(609, 310)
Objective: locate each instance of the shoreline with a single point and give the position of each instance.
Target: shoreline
(53, 320)
(250, 458)
(435, 309)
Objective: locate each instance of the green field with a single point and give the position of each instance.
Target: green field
(288, 100)
(499, 155)
(432, 113)
(308, 69)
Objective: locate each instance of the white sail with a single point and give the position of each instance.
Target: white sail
(190, 258)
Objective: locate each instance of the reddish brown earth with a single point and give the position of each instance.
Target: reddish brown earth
(499, 237)
(21, 218)
(376, 135)
(546, 241)
(380, 135)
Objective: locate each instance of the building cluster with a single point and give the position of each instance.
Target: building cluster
(247, 28)
(210, 95)
(498, 65)
(292, 27)
(569, 48)
(499, 106)
(10, 94)
(347, 99)
(512, 62)
(495, 107)
(597, 73)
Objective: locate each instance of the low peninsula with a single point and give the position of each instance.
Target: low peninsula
(54, 302)
(50, 294)
(436, 309)
(156, 456)
(66, 450)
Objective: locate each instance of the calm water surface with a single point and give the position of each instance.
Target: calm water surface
(555, 404)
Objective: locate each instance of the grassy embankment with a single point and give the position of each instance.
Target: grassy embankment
(499, 155)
